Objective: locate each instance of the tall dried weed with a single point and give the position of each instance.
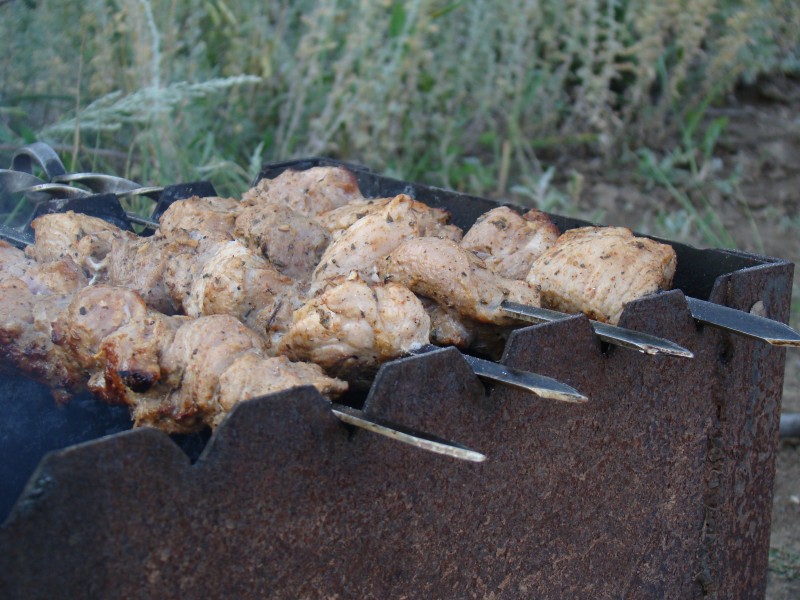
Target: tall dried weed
(165, 90)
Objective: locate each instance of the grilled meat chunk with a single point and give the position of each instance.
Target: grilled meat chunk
(108, 255)
(57, 235)
(200, 218)
(293, 243)
(353, 326)
(373, 236)
(342, 217)
(310, 192)
(440, 269)
(448, 328)
(228, 278)
(509, 242)
(597, 270)
(33, 296)
(251, 375)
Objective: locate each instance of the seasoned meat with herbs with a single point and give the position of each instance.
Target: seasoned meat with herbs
(57, 235)
(310, 192)
(353, 326)
(598, 270)
(509, 242)
(200, 218)
(293, 243)
(442, 270)
(375, 235)
(339, 219)
(251, 375)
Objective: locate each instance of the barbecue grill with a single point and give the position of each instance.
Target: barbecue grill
(660, 486)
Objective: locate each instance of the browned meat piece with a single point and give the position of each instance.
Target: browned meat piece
(107, 254)
(372, 237)
(228, 278)
(293, 243)
(140, 264)
(58, 234)
(33, 296)
(251, 375)
(200, 218)
(455, 278)
(129, 362)
(509, 242)
(597, 270)
(352, 326)
(200, 352)
(448, 328)
(94, 313)
(26, 338)
(339, 219)
(310, 192)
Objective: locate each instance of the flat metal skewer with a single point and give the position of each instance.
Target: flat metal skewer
(743, 323)
(418, 439)
(620, 336)
(541, 385)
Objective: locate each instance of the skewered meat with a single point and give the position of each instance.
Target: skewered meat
(509, 242)
(292, 242)
(200, 218)
(58, 234)
(171, 371)
(372, 237)
(230, 279)
(448, 328)
(33, 295)
(597, 270)
(352, 326)
(310, 192)
(455, 278)
(107, 254)
(339, 219)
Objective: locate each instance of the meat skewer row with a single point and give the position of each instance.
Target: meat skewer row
(382, 226)
(174, 373)
(595, 270)
(348, 343)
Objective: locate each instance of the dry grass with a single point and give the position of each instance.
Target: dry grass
(459, 93)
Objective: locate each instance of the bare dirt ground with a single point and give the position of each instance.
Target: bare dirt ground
(761, 142)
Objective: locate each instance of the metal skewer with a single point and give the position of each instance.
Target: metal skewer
(418, 439)
(543, 386)
(620, 336)
(743, 323)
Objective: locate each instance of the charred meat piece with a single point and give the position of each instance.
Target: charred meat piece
(509, 242)
(293, 243)
(353, 326)
(442, 270)
(597, 270)
(375, 235)
(310, 192)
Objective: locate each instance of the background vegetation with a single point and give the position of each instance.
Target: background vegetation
(466, 94)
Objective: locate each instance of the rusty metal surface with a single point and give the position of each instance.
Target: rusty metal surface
(659, 486)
